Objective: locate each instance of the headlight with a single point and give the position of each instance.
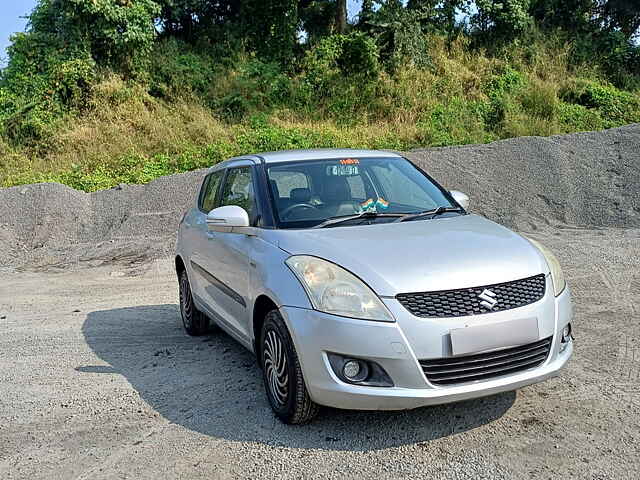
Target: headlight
(332, 289)
(556, 271)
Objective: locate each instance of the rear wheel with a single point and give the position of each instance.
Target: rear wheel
(282, 373)
(194, 321)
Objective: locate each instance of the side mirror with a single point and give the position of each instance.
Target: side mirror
(230, 218)
(461, 198)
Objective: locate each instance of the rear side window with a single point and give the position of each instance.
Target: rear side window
(209, 190)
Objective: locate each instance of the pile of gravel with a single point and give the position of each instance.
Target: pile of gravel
(48, 225)
(529, 183)
(585, 179)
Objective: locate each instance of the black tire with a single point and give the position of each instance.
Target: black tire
(194, 321)
(286, 391)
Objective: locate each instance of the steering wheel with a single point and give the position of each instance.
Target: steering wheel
(287, 211)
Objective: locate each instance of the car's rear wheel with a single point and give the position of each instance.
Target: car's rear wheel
(194, 321)
(282, 373)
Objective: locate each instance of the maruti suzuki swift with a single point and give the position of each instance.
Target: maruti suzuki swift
(361, 283)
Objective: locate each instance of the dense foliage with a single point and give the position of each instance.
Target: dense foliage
(106, 91)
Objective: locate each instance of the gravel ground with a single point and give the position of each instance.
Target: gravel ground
(98, 380)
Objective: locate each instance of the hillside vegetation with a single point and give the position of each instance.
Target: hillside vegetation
(123, 91)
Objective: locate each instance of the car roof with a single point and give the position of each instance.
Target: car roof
(316, 154)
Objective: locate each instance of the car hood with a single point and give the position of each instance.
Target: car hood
(422, 255)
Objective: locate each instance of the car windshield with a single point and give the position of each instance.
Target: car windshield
(313, 192)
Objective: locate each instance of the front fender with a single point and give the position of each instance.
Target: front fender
(270, 276)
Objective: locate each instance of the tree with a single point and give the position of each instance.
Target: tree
(366, 12)
(317, 18)
(115, 33)
(503, 18)
(341, 16)
(622, 15)
(271, 27)
(399, 34)
(190, 19)
(440, 15)
(570, 15)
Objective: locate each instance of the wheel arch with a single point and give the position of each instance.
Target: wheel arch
(180, 266)
(262, 305)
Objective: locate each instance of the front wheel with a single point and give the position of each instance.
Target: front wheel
(194, 321)
(282, 373)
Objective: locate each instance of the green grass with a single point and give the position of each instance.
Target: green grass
(194, 111)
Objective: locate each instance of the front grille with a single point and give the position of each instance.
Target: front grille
(483, 366)
(467, 301)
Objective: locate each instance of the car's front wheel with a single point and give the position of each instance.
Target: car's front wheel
(282, 373)
(195, 322)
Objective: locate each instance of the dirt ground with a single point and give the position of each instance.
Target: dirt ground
(98, 380)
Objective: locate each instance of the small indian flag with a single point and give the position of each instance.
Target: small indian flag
(367, 204)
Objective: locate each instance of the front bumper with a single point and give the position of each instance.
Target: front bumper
(398, 346)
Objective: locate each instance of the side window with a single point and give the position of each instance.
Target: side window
(238, 190)
(285, 181)
(210, 188)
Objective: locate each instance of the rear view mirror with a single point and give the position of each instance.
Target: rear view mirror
(230, 218)
(461, 198)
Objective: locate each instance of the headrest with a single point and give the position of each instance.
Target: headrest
(301, 195)
(337, 190)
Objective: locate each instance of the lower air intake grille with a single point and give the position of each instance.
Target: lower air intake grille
(483, 366)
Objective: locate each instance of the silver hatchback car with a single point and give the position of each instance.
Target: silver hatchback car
(361, 283)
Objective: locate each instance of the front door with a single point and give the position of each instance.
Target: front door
(224, 260)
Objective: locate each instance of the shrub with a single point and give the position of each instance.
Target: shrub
(33, 123)
(504, 82)
(359, 56)
(249, 86)
(540, 99)
(579, 118)
(456, 122)
(501, 89)
(615, 106)
(177, 70)
(354, 55)
(340, 77)
(617, 55)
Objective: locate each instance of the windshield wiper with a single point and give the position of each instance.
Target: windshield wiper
(345, 218)
(434, 213)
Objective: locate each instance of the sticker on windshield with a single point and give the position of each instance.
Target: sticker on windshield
(350, 161)
(342, 170)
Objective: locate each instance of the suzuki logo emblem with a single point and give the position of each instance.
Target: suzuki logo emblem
(488, 299)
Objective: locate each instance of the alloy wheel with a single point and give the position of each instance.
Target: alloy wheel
(275, 365)
(186, 302)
